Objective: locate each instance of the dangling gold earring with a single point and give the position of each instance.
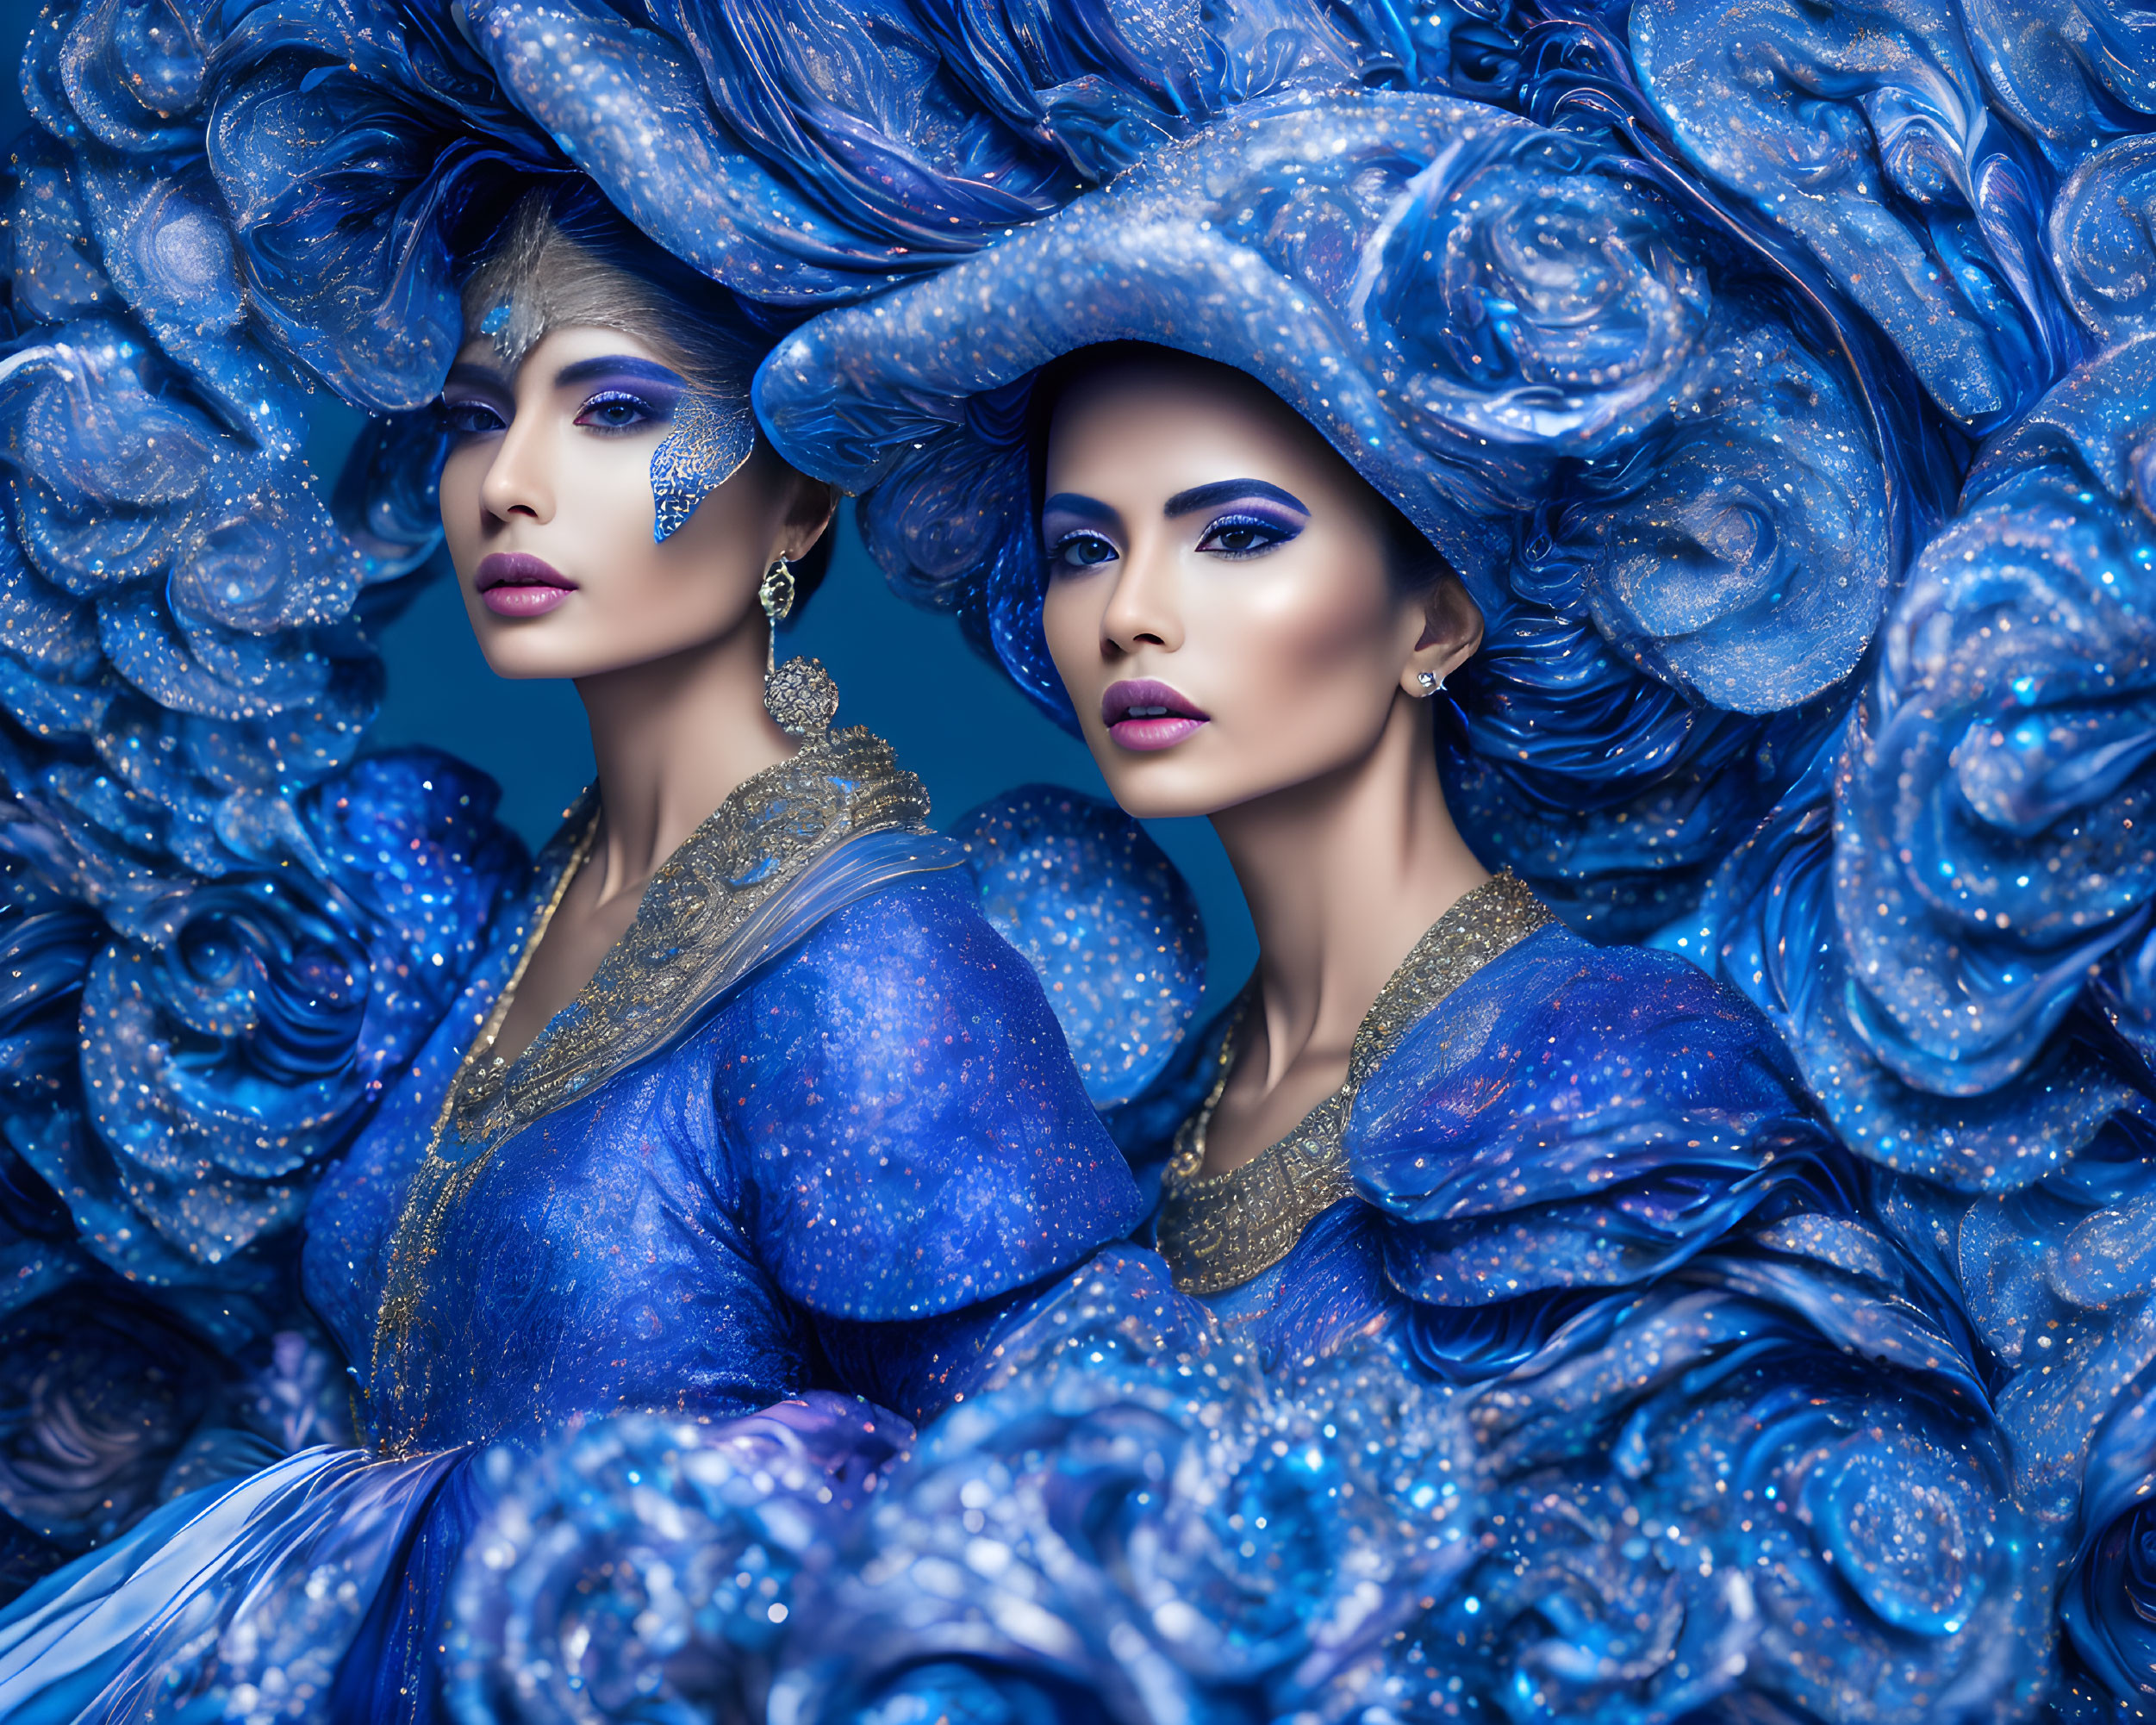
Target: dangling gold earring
(776, 596)
(799, 695)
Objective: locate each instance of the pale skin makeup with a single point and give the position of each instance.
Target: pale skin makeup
(547, 510)
(1220, 611)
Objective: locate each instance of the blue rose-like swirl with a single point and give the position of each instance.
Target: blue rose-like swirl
(1702, 1495)
(1991, 847)
(133, 74)
(646, 1568)
(2109, 1607)
(2101, 243)
(98, 1391)
(1122, 1524)
(1923, 915)
(1539, 295)
(233, 1032)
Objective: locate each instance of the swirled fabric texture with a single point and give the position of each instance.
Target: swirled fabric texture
(1727, 1437)
(1947, 919)
(1120, 1522)
(1776, 374)
(226, 932)
(649, 1569)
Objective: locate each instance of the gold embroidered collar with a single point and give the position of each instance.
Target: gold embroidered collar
(1217, 1231)
(710, 911)
(689, 925)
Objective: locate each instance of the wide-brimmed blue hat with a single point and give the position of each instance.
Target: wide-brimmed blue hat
(1673, 512)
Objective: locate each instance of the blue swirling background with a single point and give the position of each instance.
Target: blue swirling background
(1840, 685)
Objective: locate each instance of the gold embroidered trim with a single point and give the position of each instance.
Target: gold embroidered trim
(695, 913)
(761, 837)
(1217, 1231)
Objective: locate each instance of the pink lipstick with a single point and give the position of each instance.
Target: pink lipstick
(1144, 715)
(518, 584)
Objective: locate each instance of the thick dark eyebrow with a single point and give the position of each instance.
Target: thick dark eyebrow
(619, 365)
(1085, 508)
(1229, 491)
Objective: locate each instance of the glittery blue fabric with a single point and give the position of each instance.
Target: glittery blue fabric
(880, 1125)
(645, 1547)
(871, 1149)
(1712, 1416)
(1104, 920)
(1932, 224)
(1122, 1522)
(1780, 377)
(1604, 1398)
(2058, 1284)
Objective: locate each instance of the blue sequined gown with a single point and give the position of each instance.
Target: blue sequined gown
(813, 1124)
(1570, 1284)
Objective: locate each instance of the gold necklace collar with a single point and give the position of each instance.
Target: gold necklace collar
(1217, 1231)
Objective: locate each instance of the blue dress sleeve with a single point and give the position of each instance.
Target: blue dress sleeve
(915, 1137)
(1576, 1118)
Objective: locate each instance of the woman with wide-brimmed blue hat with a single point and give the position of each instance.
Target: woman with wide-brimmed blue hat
(1368, 434)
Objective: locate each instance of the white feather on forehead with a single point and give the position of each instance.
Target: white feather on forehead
(539, 279)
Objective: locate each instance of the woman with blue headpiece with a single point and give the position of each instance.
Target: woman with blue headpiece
(737, 1097)
(1236, 464)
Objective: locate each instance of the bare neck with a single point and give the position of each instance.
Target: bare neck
(1343, 875)
(673, 738)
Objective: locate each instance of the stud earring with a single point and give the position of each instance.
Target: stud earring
(1430, 681)
(799, 695)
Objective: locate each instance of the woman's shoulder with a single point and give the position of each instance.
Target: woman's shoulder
(913, 951)
(908, 1112)
(1606, 1039)
(1559, 1005)
(1632, 988)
